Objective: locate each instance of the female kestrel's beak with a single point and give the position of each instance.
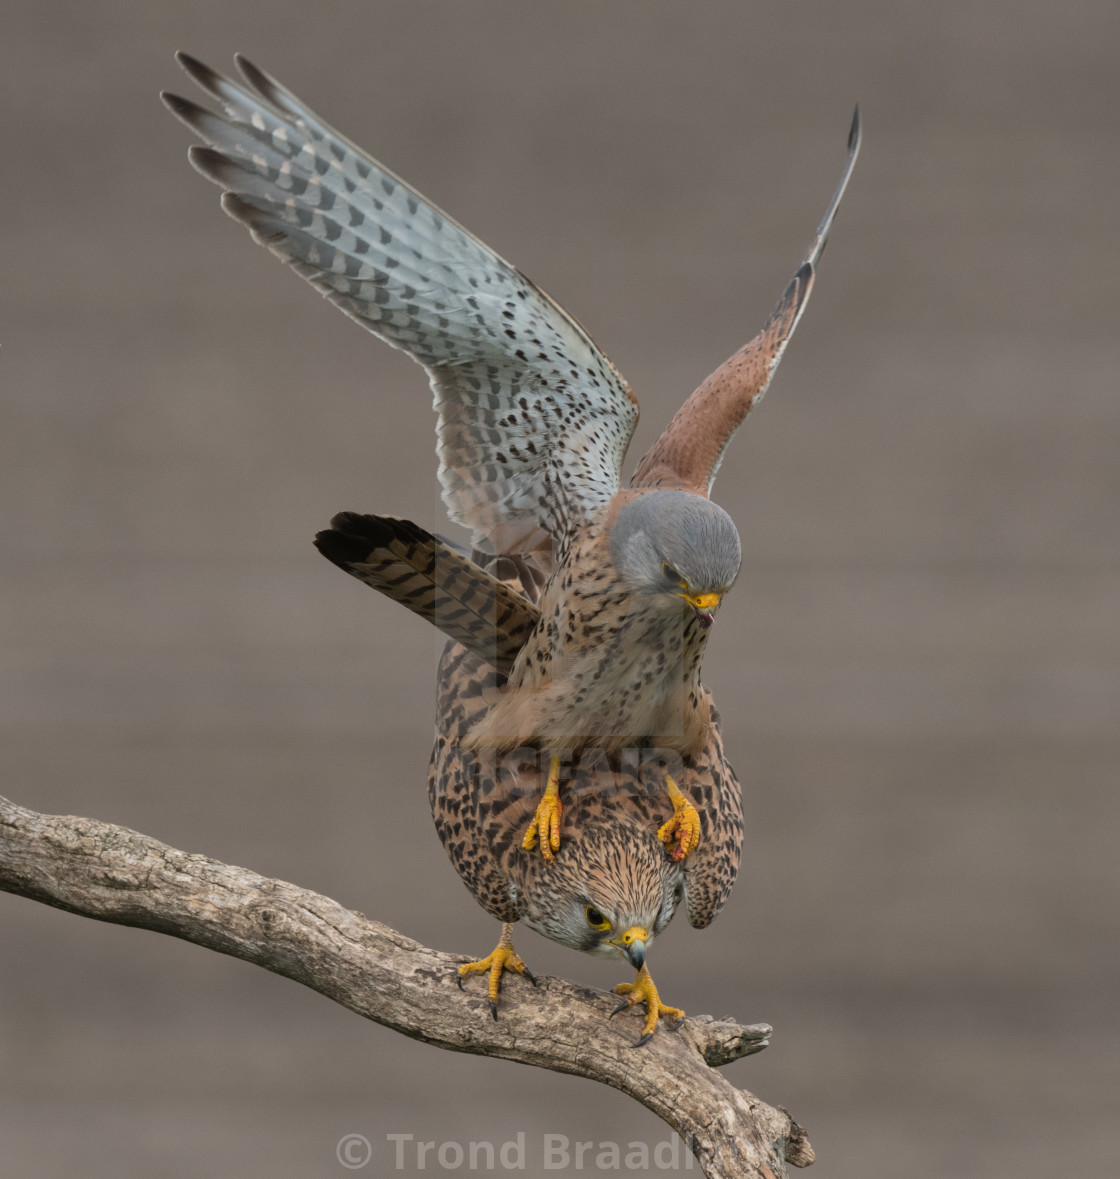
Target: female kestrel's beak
(632, 945)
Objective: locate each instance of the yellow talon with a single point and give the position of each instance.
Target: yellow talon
(683, 829)
(503, 957)
(546, 821)
(642, 990)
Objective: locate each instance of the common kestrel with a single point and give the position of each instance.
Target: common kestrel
(579, 620)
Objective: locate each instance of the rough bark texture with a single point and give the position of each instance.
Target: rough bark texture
(113, 874)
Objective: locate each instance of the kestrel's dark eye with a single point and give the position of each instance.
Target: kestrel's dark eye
(596, 919)
(671, 574)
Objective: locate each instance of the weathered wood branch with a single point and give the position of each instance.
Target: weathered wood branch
(113, 874)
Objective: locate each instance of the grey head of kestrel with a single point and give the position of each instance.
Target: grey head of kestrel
(670, 545)
(580, 616)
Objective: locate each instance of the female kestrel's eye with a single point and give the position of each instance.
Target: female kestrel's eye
(596, 919)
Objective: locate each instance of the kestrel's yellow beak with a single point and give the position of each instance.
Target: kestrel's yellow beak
(705, 606)
(632, 945)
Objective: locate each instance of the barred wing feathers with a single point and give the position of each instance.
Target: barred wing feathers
(533, 420)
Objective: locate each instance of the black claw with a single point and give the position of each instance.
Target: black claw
(459, 979)
(494, 1010)
(530, 975)
(676, 1027)
(621, 1007)
(644, 1040)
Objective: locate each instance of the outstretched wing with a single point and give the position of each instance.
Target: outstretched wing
(533, 419)
(688, 454)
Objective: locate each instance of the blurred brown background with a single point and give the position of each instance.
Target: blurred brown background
(919, 670)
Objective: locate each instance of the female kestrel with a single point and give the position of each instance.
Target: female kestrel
(579, 621)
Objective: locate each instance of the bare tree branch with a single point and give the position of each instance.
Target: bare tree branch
(113, 874)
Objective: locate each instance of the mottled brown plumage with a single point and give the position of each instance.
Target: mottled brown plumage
(579, 626)
(482, 801)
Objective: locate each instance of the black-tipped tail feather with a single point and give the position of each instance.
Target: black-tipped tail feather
(427, 575)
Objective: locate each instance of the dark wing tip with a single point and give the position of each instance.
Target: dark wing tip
(254, 75)
(176, 104)
(236, 207)
(207, 160)
(199, 71)
(855, 135)
(268, 88)
(186, 111)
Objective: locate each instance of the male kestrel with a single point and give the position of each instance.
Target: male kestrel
(579, 621)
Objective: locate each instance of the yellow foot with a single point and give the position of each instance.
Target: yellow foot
(642, 990)
(546, 822)
(504, 957)
(681, 834)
